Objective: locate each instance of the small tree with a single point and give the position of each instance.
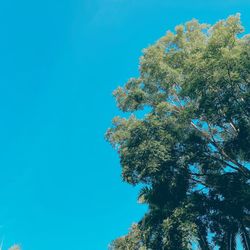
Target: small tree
(191, 149)
(15, 247)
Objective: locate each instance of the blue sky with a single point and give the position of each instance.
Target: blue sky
(60, 60)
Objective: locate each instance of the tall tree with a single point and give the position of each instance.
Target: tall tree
(190, 144)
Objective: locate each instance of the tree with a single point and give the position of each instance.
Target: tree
(187, 138)
(15, 247)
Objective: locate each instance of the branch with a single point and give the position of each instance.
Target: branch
(243, 169)
(200, 182)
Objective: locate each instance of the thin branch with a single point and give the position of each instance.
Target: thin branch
(243, 169)
(200, 182)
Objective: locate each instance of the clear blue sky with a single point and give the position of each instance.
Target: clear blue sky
(60, 60)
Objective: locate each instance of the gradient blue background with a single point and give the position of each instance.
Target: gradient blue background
(60, 60)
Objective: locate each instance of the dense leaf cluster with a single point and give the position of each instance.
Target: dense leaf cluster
(191, 149)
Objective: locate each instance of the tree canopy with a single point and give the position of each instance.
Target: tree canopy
(15, 247)
(186, 139)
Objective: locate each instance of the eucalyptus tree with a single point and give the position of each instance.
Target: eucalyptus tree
(186, 138)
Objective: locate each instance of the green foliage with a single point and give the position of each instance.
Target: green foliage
(191, 149)
(131, 241)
